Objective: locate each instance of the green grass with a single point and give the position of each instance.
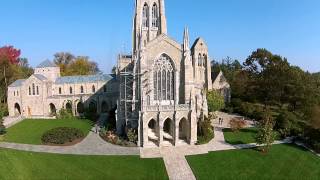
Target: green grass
(244, 136)
(30, 131)
(282, 162)
(26, 165)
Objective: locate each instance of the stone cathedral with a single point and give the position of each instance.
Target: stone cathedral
(162, 83)
(159, 90)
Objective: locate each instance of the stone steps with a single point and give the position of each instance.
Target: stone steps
(10, 121)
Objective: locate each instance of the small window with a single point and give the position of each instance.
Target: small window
(29, 91)
(37, 90)
(104, 88)
(93, 89)
(33, 89)
(14, 93)
(81, 90)
(70, 89)
(17, 93)
(60, 91)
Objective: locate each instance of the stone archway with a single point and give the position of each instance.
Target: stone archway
(153, 132)
(17, 109)
(69, 107)
(184, 130)
(93, 107)
(168, 132)
(52, 109)
(104, 107)
(80, 108)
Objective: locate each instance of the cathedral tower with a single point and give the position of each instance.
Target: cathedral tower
(149, 21)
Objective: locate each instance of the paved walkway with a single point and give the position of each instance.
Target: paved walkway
(91, 145)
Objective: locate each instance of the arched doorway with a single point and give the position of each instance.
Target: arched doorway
(52, 110)
(69, 107)
(184, 130)
(93, 107)
(153, 131)
(80, 108)
(168, 132)
(17, 109)
(104, 107)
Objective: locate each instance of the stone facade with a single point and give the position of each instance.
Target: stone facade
(158, 90)
(45, 92)
(221, 85)
(163, 83)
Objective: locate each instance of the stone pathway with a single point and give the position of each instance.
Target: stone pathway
(177, 165)
(91, 145)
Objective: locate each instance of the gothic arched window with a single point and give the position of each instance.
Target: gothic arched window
(205, 58)
(81, 90)
(93, 89)
(33, 89)
(29, 91)
(37, 90)
(199, 60)
(163, 79)
(70, 89)
(155, 15)
(60, 90)
(145, 16)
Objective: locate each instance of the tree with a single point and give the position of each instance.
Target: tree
(265, 135)
(215, 101)
(81, 66)
(64, 58)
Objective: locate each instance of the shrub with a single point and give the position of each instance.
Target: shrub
(287, 124)
(2, 127)
(205, 131)
(237, 124)
(64, 114)
(3, 110)
(215, 101)
(132, 136)
(61, 135)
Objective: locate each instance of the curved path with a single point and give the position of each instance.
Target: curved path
(91, 145)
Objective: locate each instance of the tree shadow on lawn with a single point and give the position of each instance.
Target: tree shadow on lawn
(252, 131)
(291, 145)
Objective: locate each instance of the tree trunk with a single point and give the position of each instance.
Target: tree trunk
(6, 84)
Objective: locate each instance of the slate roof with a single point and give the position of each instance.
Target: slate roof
(17, 83)
(46, 63)
(40, 77)
(84, 79)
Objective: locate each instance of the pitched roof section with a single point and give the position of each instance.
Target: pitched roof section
(84, 79)
(46, 64)
(40, 77)
(17, 83)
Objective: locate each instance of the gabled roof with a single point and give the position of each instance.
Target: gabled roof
(84, 79)
(197, 41)
(40, 77)
(46, 64)
(166, 38)
(17, 83)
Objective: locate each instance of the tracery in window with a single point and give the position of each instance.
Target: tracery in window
(163, 79)
(145, 15)
(155, 15)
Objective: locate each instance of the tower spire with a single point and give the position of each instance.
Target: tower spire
(186, 46)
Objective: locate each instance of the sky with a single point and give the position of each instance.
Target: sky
(101, 29)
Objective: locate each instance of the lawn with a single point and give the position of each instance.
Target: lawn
(282, 162)
(30, 131)
(26, 165)
(244, 136)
